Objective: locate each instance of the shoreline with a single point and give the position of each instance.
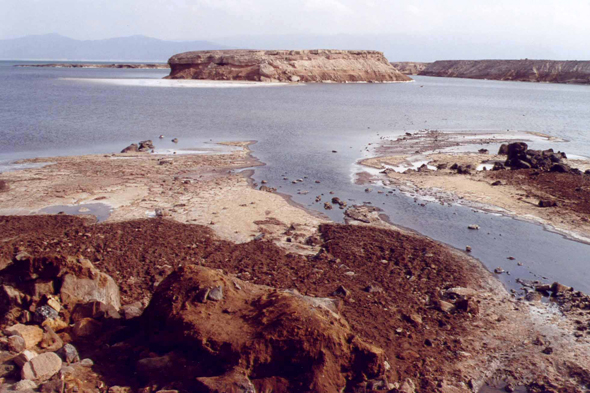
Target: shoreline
(473, 190)
(429, 309)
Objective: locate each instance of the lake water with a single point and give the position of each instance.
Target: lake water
(48, 111)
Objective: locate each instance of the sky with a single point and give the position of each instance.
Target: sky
(455, 28)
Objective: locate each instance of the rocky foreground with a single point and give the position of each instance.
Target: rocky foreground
(512, 70)
(158, 306)
(285, 66)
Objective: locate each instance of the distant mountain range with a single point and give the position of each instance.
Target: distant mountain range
(134, 48)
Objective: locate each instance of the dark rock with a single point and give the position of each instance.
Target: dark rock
(483, 151)
(146, 145)
(558, 288)
(548, 351)
(497, 183)
(560, 168)
(463, 170)
(327, 206)
(132, 148)
(454, 167)
(68, 353)
(3, 186)
(268, 189)
(517, 150)
(547, 203)
(520, 164)
(503, 150)
(443, 165)
(45, 312)
(498, 166)
(341, 291)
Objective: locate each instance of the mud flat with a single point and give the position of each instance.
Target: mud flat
(195, 299)
(422, 163)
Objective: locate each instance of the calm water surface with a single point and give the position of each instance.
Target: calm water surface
(47, 112)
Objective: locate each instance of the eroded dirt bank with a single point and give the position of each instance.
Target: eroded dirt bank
(426, 318)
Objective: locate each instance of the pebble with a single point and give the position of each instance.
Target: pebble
(69, 354)
(16, 344)
(216, 294)
(87, 363)
(25, 384)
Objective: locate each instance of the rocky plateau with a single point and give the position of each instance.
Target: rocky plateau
(327, 66)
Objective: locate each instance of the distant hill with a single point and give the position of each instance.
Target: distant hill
(135, 48)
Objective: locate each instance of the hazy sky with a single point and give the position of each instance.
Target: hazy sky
(560, 28)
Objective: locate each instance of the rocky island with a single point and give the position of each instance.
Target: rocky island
(513, 70)
(336, 66)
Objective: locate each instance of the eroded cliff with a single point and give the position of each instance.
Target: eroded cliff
(409, 67)
(285, 66)
(513, 70)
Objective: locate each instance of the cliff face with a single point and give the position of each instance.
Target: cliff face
(285, 66)
(409, 67)
(513, 70)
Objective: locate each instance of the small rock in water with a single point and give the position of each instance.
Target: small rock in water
(175, 140)
(473, 226)
(499, 270)
(468, 248)
(161, 136)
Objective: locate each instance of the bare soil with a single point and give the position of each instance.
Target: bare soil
(393, 287)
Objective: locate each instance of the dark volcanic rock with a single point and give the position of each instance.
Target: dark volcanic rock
(520, 157)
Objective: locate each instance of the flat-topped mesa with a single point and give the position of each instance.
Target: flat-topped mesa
(338, 66)
(513, 70)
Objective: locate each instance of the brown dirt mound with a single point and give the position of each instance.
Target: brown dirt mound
(571, 191)
(271, 335)
(392, 282)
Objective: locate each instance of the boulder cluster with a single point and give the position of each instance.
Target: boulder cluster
(46, 305)
(521, 157)
(140, 147)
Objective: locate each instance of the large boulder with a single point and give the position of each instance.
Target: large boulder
(42, 367)
(267, 334)
(92, 286)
